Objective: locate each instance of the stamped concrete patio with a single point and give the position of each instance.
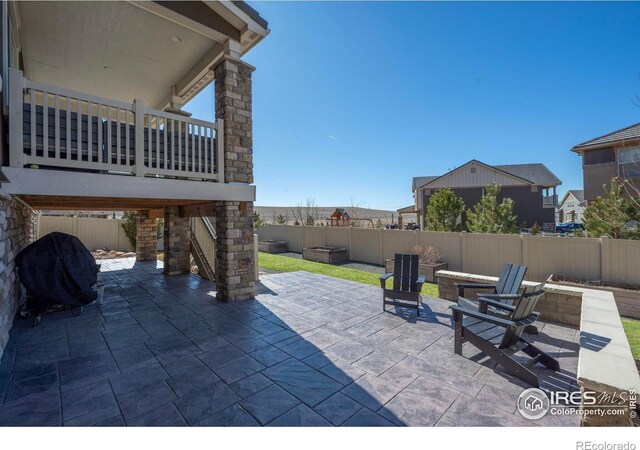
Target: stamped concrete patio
(310, 350)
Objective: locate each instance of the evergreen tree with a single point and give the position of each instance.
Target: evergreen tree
(609, 215)
(444, 211)
(281, 220)
(257, 220)
(489, 216)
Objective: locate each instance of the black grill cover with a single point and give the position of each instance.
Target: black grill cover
(57, 269)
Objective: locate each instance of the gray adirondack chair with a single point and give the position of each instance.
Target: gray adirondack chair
(500, 337)
(407, 284)
(504, 290)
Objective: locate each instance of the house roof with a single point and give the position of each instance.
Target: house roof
(418, 182)
(630, 132)
(578, 194)
(537, 173)
(408, 209)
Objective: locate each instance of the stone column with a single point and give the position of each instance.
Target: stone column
(177, 242)
(235, 274)
(233, 104)
(146, 237)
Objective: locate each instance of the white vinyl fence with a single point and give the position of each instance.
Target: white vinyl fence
(611, 260)
(94, 233)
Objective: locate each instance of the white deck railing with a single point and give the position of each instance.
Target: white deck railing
(58, 128)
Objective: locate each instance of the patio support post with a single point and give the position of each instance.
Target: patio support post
(177, 242)
(146, 237)
(235, 260)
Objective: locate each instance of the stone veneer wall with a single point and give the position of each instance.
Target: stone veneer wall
(146, 238)
(17, 230)
(235, 265)
(560, 304)
(177, 242)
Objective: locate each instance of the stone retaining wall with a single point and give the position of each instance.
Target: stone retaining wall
(18, 225)
(560, 304)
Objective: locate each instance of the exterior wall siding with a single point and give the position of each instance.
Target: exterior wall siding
(528, 205)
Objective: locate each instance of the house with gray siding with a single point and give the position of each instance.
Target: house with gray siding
(531, 186)
(571, 207)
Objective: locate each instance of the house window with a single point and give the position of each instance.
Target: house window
(473, 170)
(601, 156)
(629, 162)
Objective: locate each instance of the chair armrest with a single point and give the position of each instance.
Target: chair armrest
(478, 315)
(484, 302)
(462, 286)
(501, 296)
(383, 279)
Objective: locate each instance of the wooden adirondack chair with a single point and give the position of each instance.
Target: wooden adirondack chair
(499, 337)
(505, 290)
(407, 284)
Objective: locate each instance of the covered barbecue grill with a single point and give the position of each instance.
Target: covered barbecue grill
(58, 272)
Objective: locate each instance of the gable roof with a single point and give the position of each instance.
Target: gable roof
(630, 132)
(418, 182)
(537, 173)
(534, 173)
(578, 194)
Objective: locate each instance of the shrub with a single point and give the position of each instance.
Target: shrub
(429, 255)
(130, 226)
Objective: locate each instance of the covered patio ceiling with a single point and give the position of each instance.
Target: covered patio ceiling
(131, 49)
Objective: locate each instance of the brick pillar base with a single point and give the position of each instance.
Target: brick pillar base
(146, 238)
(177, 242)
(235, 276)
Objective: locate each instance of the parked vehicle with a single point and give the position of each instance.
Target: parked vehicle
(569, 227)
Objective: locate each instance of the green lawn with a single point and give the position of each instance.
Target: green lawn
(279, 263)
(632, 329)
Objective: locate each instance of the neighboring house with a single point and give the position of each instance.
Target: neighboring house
(531, 186)
(571, 207)
(92, 96)
(615, 154)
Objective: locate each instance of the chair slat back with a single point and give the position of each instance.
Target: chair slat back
(512, 280)
(405, 273)
(502, 279)
(528, 301)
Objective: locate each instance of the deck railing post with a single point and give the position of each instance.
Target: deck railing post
(139, 110)
(16, 97)
(220, 149)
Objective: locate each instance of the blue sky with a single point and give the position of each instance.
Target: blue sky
(351, 100)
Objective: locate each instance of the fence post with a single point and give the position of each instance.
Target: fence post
(525, 253)
(464, 251)
(381, 239)
(350, 242)
(303, 235)
(16, 155)
(325, 236)
(605, 259)
(138, 106)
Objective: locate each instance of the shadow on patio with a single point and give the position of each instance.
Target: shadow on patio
(310, 350)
